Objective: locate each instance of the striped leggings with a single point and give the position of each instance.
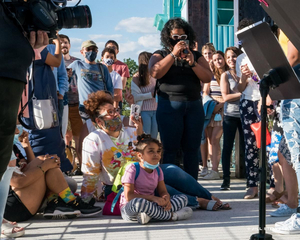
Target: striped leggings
(139, 205)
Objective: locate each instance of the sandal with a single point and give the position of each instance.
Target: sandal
(273, 197)
(11, 230)
(224, 206)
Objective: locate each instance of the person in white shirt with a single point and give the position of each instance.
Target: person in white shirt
(108, 58)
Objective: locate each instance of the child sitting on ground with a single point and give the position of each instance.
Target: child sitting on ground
(138, 201)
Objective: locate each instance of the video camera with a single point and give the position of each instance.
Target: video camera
(48, 15)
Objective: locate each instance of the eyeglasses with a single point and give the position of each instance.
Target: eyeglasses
(182, 37)
(110, 112)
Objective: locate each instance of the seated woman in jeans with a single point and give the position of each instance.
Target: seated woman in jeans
(106, 149)
(179, 71)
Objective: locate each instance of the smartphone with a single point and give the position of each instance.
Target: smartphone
(135, 111)
(187, 43)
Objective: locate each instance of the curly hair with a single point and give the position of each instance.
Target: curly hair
(177, 23)
(95, 102)
(209, 46)
(144, 140)
(217, 73)
(144, 58)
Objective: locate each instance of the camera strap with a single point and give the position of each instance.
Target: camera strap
(21, 114)
(102, 73)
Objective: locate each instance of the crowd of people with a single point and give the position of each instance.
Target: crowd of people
(190, 99)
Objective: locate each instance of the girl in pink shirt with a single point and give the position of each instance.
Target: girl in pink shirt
(138, 202)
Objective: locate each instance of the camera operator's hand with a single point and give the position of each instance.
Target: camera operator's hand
(38, 39)
(56, 40)
(190, 57)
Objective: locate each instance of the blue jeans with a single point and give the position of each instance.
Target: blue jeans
(180, 125)
(179, 182)
(149, 123)
(290, 114)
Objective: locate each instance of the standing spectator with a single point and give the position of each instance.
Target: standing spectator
(118, 66)
(207, 51)
(248, 86)
(214, 129)
(61, 79)
(180, 114)
(89, 76)
(47, 140)
(74, 121)
(231, 120)
(142, 89)
(108, 58)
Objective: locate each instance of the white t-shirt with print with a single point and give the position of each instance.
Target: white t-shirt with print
(251, 91)
(116, 80)
(102, 157)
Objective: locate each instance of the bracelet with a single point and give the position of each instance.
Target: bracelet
(173, 55)
(41, 168)
(194, 64)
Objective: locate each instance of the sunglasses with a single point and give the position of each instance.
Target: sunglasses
(91, 49)
(182, 37)
(110, 112)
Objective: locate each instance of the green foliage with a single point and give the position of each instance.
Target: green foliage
(133, 68)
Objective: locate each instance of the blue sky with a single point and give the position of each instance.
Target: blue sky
(128, 22)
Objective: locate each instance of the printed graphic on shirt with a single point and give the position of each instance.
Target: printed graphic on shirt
(91, 75)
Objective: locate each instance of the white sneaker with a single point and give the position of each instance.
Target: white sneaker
(290, 226)
(204, 172)
(143, 218)
(279, 224)
(213, 175)
(182, 214)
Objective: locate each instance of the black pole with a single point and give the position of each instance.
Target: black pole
(264, 90)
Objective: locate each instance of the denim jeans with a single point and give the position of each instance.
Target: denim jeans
(290, 114)
(230, 125)
(149, 123)
(179, 182)
(180, 125)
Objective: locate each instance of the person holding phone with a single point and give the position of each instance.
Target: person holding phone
(178, 88)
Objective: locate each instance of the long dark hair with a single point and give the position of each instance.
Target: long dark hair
(143, 60)
(217, 73)
(177, 23)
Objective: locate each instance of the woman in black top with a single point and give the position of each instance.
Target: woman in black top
(180, 116)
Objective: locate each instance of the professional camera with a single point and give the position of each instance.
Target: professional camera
(48, 15)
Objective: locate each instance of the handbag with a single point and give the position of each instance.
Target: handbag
(256, 128)
(44, 114)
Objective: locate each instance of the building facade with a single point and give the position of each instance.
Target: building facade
(213, 20)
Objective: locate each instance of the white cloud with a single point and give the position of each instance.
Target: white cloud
(136, 25)
(102, 36)
(76, 54)
(75, 40)
(128, 46)
(150, 41)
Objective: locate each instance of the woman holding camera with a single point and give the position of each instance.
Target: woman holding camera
(179, 70)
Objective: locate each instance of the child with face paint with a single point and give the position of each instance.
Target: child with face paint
(138, 201)
(108, 58)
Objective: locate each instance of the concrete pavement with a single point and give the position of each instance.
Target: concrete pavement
(239, 223)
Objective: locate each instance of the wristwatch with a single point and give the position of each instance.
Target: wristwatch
(194, 64)
(173, 55)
